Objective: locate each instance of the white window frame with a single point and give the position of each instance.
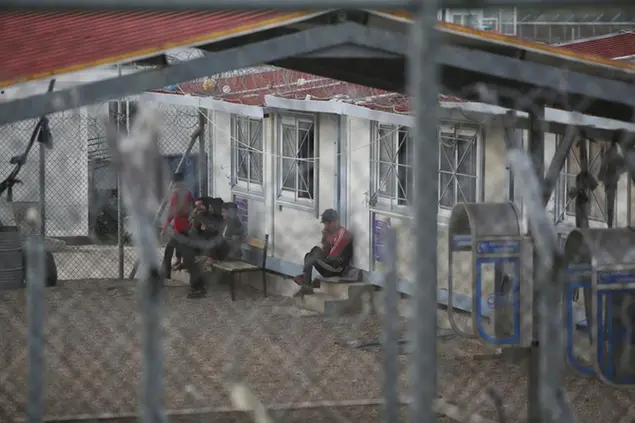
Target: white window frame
(249, 184)
(465, 129)
(285, 195)
(392, 201)
(464, 14)
(495, 24)
(564, 217)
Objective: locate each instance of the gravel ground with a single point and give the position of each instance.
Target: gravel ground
(285, 355)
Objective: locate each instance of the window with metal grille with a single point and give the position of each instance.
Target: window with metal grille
(392, 174)
(297, 168)
(469, 18)
(591, 152)
(247, 153)
(458, 163)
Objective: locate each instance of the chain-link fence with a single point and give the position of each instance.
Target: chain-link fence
(488, 259)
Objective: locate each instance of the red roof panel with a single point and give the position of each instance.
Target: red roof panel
(610, 46)
(36, 45)
(251, 89)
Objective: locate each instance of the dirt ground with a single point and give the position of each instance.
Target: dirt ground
(285, 355)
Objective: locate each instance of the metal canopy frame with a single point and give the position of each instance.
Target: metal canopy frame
(291, 4)
(463, 72)
(459, 68)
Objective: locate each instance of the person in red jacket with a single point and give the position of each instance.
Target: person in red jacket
(179, 210)
(332, 259)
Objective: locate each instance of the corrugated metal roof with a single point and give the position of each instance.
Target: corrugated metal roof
(490, 37)
(37, 45)
(610, 46)
(251, 89)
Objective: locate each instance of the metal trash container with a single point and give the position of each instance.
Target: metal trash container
(500, 272)
(602, 265)
(11, 264)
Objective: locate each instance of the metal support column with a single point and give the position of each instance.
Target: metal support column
(342, 169)
(536, 147)
(120, 209)
(42, 190)
(36, 303)
(202, 153)
(179, 168)
(424, 81)
(390, 331)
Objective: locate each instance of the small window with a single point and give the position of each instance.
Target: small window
(247, 153)
(469, 18)
(297, 162)
(458, 176)
(391, 166)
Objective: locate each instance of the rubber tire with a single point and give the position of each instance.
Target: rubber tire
(50, 268)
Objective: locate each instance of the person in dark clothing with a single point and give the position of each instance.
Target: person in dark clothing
(332, 259)
(231, 236)
(223, 245)
(206, 220)
(179, 209)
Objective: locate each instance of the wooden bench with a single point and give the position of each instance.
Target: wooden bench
(238, 267)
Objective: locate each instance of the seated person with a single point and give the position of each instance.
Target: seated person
(215, 208)
(332, 259)
(224, 244)
(204, 219)
(207, 222)
(231, 237)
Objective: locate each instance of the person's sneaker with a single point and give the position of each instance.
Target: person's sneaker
(299, 280)
(196, 294)
(304, 290)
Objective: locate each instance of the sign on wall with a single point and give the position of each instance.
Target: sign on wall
(380, 225)
(243, 210)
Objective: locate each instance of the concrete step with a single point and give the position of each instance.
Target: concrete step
(326, 304)
(344, 290)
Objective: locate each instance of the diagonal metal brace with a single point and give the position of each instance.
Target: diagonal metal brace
(557, 163)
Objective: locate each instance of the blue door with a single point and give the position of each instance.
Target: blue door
(189, 169)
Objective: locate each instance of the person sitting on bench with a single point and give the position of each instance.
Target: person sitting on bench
(332, 259)
(225, 244)
(206, 221)
(230, 239)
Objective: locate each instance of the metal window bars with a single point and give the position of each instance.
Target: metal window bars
(139, 163)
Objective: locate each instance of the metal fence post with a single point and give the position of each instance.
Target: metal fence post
(536, 146)
(120, 209)
(42, 178)
(202, 153)
(36, 304)
(120, 226)
(140, 197)
(390, 332)
(120, 229)
(164, 203)
(424, 78)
